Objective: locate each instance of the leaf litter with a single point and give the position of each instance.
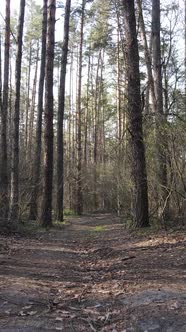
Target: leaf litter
(72, 280)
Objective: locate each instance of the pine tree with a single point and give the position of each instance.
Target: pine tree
(14, 194)
(160, 116)
(138, 165)
(37, 154)
(4, 164)
(46, 209)
(60, 123)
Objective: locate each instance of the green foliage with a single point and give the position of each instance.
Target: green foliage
(101, 32)
(33, 22)
(68, 212)
(98, 229)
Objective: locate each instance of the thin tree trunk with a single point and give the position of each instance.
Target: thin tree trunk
(139, 177)
(79, 143)
(14, 195)
(28, 98)
(96, 129)
(3, 170)
(60, 121)
(70, 131)
(37, 154)
(1, 102)
(147, 56)
(32, 110)
(10, 122)
(185, 54)
(160, 117)
(91, 126)
(46, 209)
(119, 124)
(86, 110)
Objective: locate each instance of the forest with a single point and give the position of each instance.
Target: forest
(92, 165)
(94, 119)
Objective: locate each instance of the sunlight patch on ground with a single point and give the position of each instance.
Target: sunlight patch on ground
(157, 241)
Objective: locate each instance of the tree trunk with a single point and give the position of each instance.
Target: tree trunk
(148, 59)
(96, 128)
(70, 131)
(14, 195)
(79, 143)
(160, 117)
(10, 122)
(139, 177)
(3, 170)
(1, 102)
(46, 209)
(61, 107)
(119, 124)
(86, 111)
(37, 153)
(32, 109)
(185, 52)
(28, 98)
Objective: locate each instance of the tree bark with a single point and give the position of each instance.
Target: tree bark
(119, 123)
(3, 170)
(28, 97)
(46, 209)
(139, 177)
(61, 108)
(14, 195)
(96, 127)
(148, 59)
(185, 53)
(86, 111)
(1, 102)
(160, 117)
(79, 143)
(32, 109)
(37, 154)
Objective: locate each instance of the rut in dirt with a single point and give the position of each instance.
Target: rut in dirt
(93, 275)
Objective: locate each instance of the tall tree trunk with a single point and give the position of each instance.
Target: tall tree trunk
(3, 169)
(37, 154)
(160, 117)
(46, 209)
(119, 124)
(14, 195)
(10, 122)
(148, 59)
(70, 131)
(139, 177)
(185, 52)
(96, 128)
(79, 143)
(92, 109)
(32, 109)
(61, 107)
(28, 98)
(86, 110)
(1, 102)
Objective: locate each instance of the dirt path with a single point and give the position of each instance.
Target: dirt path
(88, 278)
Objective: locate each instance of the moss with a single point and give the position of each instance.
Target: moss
(98, 229)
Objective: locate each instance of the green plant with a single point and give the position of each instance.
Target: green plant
(98, 229)
(69, 212)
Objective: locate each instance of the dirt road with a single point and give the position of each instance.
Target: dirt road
(93, 275)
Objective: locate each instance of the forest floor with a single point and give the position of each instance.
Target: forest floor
(93, 275)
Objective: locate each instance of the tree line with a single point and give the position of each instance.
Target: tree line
(93, 110)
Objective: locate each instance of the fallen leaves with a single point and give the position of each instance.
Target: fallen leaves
(90, 283)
